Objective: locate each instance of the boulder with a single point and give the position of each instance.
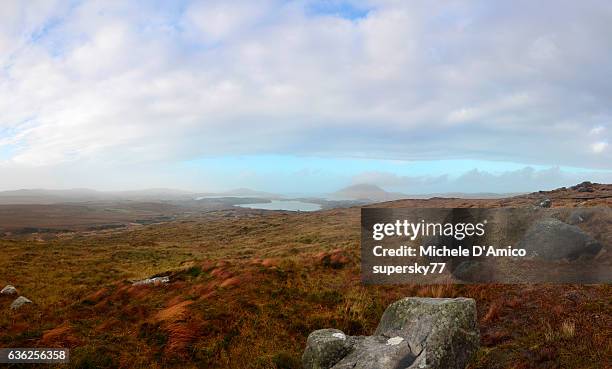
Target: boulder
(8, 290)
(441, 332)
(543, 203)
(19, 302)
(325, 347)
(551, 239)
(414, 332)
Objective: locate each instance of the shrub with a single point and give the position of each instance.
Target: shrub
(284, 360)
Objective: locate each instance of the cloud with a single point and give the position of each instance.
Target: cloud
(526, 179)
(599, 147)
(597, 130)
(214, 21)
(166, 82)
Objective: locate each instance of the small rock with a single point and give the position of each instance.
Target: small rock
(551, 239)
(19, 302)
(154, 280)
(544, 203)
(574, 296)
(8, 290)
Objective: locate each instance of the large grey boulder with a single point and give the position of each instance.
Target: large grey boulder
(442, 333)
(551, 239)
(413, 333)
(8, 290)
(19, 302)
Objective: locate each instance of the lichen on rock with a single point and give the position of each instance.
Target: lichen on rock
(432, 333)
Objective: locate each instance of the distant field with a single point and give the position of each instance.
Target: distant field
(246, 287)
(59, 217)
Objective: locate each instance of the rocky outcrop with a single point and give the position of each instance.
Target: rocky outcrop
(8, 290)
(584, 187)
(153, 281)
(543, 203)
(551, 239)
(413, 333)
(19, 302)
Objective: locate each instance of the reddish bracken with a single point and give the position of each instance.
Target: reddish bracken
(335, 259)
(268, 263)
(230, 282)
(220, 273)
(173, 313)
(495, 337)
(207, 265)
(175, 300)
(180, 336)
(59, 336)
(493, 312)
(98, 295)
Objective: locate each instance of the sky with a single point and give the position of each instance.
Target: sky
(305, 96)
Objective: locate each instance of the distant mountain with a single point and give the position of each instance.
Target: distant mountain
(366, 192)
(375, 193)
(250, 193)
(43, 196)
(464, 195)
(242, 192)
(361, 192)
(153, 194)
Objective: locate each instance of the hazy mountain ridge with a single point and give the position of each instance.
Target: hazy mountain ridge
(243, 192)
(45, 196)
(364, 191)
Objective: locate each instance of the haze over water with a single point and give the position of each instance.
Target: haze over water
(290, 205)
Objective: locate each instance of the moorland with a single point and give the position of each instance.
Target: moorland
(247, 286)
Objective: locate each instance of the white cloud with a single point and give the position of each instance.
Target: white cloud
(599, 147)
(117, 82)
(597, 130)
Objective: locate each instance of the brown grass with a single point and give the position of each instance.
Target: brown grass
(59, 336)
(173, 312)
(493, 312)
(223, 310)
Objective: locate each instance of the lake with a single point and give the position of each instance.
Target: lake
(291, 205)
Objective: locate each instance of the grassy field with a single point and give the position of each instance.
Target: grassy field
(248, 286)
